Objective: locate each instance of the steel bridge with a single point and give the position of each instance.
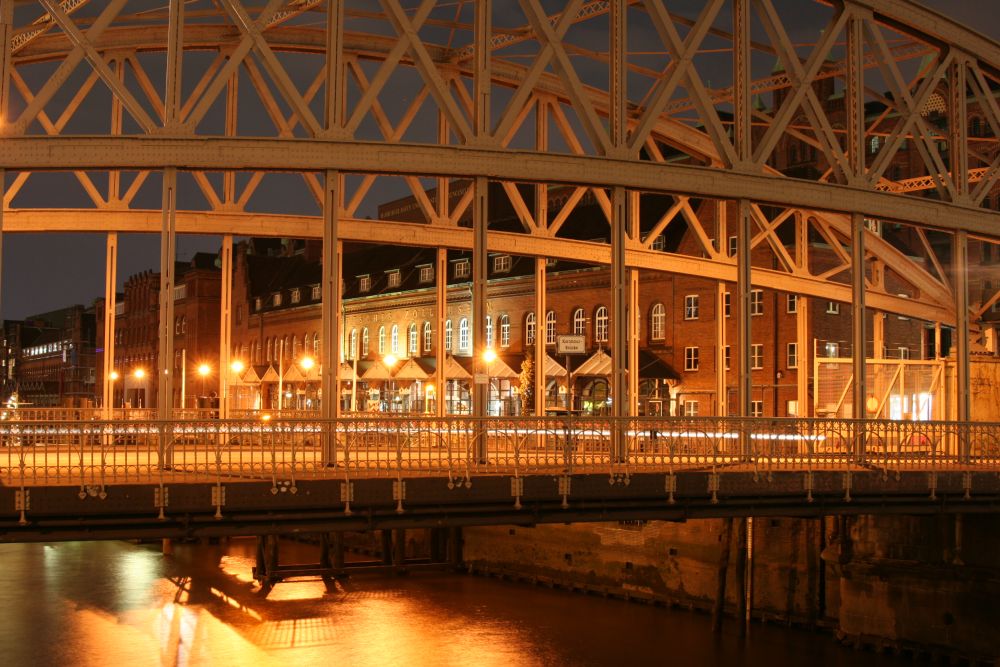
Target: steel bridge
(178, 119)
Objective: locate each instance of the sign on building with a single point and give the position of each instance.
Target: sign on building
(571, 345)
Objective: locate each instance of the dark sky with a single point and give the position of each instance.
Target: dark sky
(44, 272)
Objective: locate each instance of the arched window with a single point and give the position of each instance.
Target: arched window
(354, 344)
(364, 342)
(307, 344)
(550, 327)
(286, 348)
(504, 322)
(295, 346)
(316, 347)
(394, 339)
(177, 325)
(428, 337)
(489, 331)
(412, 340)
(579, 322)
(657, 321)
(447, 336)
(381, 341)
(184, 324)
(463, 334)
(269, 356)
(601, 324)
(529, 329)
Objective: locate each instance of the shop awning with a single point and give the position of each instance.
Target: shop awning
(377, 371)
(346, 372)
(253, 374)
(270, 375)
(651, 366)
(553, 369)
(293, 374)
(500, 368)
(411, 370)
(598, 364)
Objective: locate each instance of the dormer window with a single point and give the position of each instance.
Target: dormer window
(393, 277)
(296, 295)
(317, 293)
(364, 283)
(501, 264)
(426, 273)
(257, 304)
(550, 262)
(658, 243)
(462, 269)
(276, 300)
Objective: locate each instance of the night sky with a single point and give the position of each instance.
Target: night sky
(44, 272)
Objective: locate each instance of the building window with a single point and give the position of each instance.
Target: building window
(757, 356)
(727, 304)
(792, 355)
(658, 321)
(550, 328)
(353, 354)
(733, 246)
(296, 295)
(832, 349)
(791, 303)
(658, 243)
(904, 352)
(756, 302)
(601, 325)
(239, 314)
(690, 408)
(792, 408)
(276, 299)
(428, 337)
(874, 143)
(381, 341)
(504, 331)
(462, 269)
(447, 336)
(756, 408)
(550, 262)
(529, 329)
(426, 274)
(833, 308)
(364, 283)
(489, 331)
(317, 293)
(691, 307)
(364, 341)
(728, 354)
(579, 322)
(316, 345)
(463, 334)
(501, 264)
(177, 325)
(393, 277)
(412, 340)
(690, 358)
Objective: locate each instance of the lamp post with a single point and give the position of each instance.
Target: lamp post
(112, 376)
(138, 374)
(203, 371)
(390, 360)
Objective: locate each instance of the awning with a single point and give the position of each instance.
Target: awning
(598, 364)
(499, 368)
(293, 374)
(553, 369)
(651, 366)
(411, 370)
(253, 374)
(346, 372)
(458, 370)
(377, 371)
(270, 375)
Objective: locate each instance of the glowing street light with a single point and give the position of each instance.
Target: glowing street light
(489, 356)
(237, 366)
(138, 374)
(203, 371)
(307, 363)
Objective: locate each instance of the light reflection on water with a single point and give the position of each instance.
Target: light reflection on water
(114, 603)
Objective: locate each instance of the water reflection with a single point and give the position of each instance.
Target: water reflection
(114, 602)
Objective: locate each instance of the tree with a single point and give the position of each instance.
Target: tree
(527, 379)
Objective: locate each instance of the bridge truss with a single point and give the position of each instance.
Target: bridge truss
(187, 117)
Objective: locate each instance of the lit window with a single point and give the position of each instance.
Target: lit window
(904, 353)
(691, 307)
(462, 269)
(756, 408)
(276, 300)
(690, 408)
(579, 322)
(317, 293)
(364, 342)
(501, 264)
(394, 339)
(428, 337)
(529, 329)
(393, 277)
(757, 356)
(353, 349)
(601, 325)
(412, 340)
(658, 321)
(658, 243)
(447, 336)
(874, 143)
(792, 355)
(690, 358)
(504, 331)
(296, 295)
(833, 308)
(381, 341)
(426, 273)
(832, 349)
(463, 334)
(364, 283)
(791, 303)
(489, 331)
(550, 328)
(756, 302)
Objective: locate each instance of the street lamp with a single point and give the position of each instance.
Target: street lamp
(138, 374)
(390, 360)
(489, 356)
(203, 372)
(112, 376)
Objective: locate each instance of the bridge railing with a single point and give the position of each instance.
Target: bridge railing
(98, 452)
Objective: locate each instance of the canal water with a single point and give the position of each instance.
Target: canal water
(117, 603)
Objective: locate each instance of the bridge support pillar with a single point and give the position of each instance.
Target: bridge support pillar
(399, 549)
(386, 546)
(455, 547)
(742, 609)
(719, 607)
(336, 554)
